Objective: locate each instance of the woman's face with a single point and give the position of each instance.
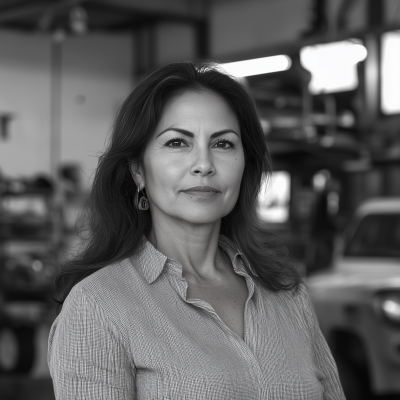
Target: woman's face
(193, 165)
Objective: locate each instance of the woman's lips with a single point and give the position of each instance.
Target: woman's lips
(202, 191)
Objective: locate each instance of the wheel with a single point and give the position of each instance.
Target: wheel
(354, 381)
(17, 349)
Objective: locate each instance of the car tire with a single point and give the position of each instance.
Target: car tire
(17, 349)
(354, 381)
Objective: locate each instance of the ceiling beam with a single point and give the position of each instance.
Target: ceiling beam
(193, 8)
(147, 10)
(151, 15)
(23, 10)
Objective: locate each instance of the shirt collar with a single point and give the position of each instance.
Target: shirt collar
(234, 252)
(151, 262)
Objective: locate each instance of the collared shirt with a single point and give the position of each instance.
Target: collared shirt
(129, 332)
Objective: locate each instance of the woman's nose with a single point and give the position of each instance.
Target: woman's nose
(203, 164)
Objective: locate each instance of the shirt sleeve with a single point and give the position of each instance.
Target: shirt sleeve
(86, 354)
(323, 358)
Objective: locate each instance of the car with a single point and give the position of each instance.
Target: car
(357, 301)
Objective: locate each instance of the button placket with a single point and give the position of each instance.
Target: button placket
(181, 285)
(241, 344)
(245, 345)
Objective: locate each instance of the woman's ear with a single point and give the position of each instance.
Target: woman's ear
(137, 175)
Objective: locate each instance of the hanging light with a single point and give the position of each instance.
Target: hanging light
(258, 66)
(333, 66)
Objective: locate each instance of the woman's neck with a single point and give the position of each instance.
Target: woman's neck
(195, 247)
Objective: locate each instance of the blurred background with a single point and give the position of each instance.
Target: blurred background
(325, 75)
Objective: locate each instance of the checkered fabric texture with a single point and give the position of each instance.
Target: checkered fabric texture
(128, 332)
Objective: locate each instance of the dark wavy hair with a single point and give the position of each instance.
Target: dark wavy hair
(113, 227)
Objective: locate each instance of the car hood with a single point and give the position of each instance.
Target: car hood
(358, 272)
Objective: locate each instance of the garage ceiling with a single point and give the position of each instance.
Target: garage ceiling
(101, 15)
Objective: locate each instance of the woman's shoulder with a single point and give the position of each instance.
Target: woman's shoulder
(298, 305)
(295, 300)
(90, 311)
(106, 275)
(107, 284)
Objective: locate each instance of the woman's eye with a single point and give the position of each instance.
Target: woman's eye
(224, 144)
(174, 143)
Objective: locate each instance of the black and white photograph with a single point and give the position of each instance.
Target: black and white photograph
(199, 199)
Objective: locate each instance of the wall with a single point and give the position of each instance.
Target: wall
(96, 77)
(174, 42)
(25, 91)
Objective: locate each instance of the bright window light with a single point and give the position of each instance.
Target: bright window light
(258, 66)
(274, 197)
(333, 66)
(390, 76)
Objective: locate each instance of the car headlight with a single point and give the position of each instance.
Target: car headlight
(388, 304)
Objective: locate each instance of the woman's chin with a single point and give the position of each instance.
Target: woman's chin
(200, 217)
(200, 214)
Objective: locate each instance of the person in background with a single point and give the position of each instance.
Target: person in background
(178, 292)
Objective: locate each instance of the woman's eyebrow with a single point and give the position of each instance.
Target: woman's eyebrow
(190, 134)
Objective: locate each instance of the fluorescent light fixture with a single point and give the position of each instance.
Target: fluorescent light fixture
(258, 66)
(390, 73)
(333, 66)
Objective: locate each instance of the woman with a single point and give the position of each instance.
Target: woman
(178, 293)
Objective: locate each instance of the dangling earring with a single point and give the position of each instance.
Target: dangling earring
(143, 203)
